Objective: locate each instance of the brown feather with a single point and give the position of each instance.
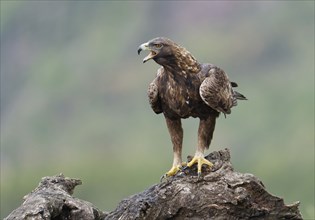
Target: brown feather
(216, 91)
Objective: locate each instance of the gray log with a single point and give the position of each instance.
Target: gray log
(52, 200)
(220, 193)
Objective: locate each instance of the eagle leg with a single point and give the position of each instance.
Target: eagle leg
(205, 133)
(176, 132)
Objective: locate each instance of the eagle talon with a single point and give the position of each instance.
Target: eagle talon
(163, 177)
(199, 176)
(184, 168)
(200, 160)
(173, 171)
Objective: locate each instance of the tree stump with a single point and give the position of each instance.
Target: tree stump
(220, 193)
(52, 200)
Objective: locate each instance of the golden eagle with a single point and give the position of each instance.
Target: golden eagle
(186, 88)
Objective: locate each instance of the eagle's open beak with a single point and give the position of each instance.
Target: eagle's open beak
(145, 46)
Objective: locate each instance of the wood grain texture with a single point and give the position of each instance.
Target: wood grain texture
(221, 193)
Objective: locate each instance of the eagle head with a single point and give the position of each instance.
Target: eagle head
(161, 50)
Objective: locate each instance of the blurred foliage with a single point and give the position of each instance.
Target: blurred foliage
(73, 93)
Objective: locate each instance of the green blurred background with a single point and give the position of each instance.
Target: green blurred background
(73, 93)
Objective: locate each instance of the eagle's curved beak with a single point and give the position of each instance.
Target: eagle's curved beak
(142, 47)
(145, 46)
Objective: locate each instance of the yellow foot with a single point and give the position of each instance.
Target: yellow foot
(172, 171)
(200, 160)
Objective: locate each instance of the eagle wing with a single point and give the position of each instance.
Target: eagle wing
(216, 90)
(153, 93)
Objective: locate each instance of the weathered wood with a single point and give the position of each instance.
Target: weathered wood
(219, 194)
(52, 200)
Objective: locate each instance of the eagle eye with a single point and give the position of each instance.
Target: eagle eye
(158, 45)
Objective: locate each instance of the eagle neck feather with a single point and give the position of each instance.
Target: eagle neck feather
(182, 63)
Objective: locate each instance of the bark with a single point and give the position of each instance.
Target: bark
(52, 200)
(220, 193)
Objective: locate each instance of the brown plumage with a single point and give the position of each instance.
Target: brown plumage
(185, 88)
